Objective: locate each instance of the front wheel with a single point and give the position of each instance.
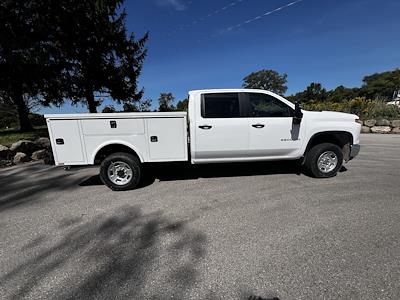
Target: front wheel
(324, 160)
(120, 171)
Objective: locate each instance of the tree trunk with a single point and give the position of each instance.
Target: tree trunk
(91, 103)
(23, 112)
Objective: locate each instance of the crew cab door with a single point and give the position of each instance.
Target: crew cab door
(272, 132)
(221, 130)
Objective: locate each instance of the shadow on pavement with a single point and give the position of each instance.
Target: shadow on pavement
(185, 171)
(32, 182)
(123, 255)
(23, 184)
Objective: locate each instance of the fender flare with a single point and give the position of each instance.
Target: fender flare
(115, 142)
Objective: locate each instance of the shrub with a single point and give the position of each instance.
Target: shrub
(360, 106)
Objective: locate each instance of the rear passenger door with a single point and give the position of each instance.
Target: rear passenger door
(221, 129)
(272, 132)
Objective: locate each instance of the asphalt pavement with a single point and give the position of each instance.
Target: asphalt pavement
(207, 232)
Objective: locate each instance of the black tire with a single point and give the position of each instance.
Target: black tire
(314, 154)
(132, 161)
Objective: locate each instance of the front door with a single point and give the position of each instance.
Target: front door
(221, 130)
(272, 132)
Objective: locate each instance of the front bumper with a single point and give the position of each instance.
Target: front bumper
(354, 150)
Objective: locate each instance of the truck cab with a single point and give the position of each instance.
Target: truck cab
(254, 125)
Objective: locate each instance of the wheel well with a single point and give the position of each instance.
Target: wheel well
(110, 149)
(343, 139)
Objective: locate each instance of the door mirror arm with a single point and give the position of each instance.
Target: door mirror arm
(298, 115)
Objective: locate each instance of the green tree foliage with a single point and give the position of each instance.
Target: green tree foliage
(28, 54)
(140, 106)
(313, 93)
(53, 50)
(342, 93)
(109, 109)
(165, 102)
(99, 54)
(266, 80)
(364, 108)
(381, 85)
(182, 105)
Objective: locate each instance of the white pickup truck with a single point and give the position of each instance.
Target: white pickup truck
(221, 126)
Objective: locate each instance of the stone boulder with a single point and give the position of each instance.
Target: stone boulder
(370, 123)
(396, 123)
(5, 163)
(381, 129)
(396, 130)
(365, 129)
(5, 153)
(20, 158)
(24, 146)
(49, 159)
(43, 143)
(40, 154)
(382, 122)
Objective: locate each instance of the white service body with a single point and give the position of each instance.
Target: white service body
(86, 134)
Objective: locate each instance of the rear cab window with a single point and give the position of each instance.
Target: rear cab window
(220, 105)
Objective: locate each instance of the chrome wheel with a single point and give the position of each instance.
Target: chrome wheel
(327, 161)
(119, 173)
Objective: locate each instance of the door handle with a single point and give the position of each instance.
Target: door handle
(258, 126)
(205, 127)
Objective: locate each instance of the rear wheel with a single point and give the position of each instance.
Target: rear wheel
(324, 160)
(120, 171)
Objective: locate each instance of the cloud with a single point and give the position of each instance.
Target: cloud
(179, 5)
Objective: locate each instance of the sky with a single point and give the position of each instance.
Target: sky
(202, 44)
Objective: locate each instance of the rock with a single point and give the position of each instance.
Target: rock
(4, 152)
(49, 159)
(382, 122)
(43, 143)
(24, 146)
(360, 122)
(381, 129)
(40, 154)
(20, 158)
(396, 130)
(396, 123)
(365, 129)
(370, 123)
(5, 163)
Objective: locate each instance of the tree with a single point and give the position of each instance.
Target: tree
(53, 50)
(182, 105)
(313, 93)
(100, 56)
(381, 85)
(342, 93)
(109, 109)
(266, 80)
(165, 102)
(140, 106)
(28, 56)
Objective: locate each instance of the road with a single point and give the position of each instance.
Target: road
(211, 232)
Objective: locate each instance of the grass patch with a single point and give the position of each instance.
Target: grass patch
(9, 136)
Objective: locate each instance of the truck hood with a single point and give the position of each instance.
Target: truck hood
(330, 115)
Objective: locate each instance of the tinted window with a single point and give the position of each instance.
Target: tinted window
(220, 106)
(263, 105)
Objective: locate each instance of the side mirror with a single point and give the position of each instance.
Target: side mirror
(298, 115)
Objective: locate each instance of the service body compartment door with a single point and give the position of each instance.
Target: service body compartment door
(167, 139)
(66, 141)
